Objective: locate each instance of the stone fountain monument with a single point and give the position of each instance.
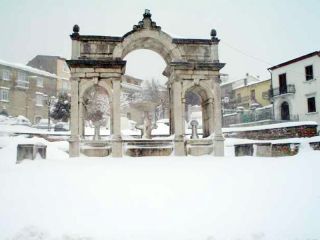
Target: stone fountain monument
(191, 65)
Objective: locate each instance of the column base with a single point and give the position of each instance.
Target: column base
(179, 147)
(116, 146)
(74, 147)
(218, 146)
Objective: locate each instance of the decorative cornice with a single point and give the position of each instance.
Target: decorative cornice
(86, 63)
(215, 66)
(192, 41)
(99, 38)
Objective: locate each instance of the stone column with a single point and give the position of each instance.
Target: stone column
(178, 119)
(116, 120)
(171, 111)
(81, 117)
(210, 113)
(218, 140)
(74, 141)
(75, 54)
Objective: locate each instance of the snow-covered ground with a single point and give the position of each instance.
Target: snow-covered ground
(178, 198)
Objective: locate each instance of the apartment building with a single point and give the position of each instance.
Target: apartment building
(55, 65)
(24, 90)
(246, 92)
(296, 88)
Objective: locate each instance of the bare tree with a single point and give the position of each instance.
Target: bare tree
(97, 109)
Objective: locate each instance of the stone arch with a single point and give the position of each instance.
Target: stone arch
(206, 97)
(85, 87)
(153, 40)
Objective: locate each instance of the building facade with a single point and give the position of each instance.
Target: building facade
(246, 92)
(24, 91)
(296, 88)
(55, 65)
(253, 94)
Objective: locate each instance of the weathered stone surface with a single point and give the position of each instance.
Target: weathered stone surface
(30, 151)
(96, 151)
(92, 75)
(78, 75)
(109, 75)
(198, 147)
(243, 150)
(84, 70)
(107, 70)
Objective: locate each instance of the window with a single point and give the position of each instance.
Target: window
(4, 94)
(283, 83)
(253, 94)
(6, 74)
(40, 82)
(309, 72)
(22, 80)
(238, 97)
(39, 99)
(312, 104)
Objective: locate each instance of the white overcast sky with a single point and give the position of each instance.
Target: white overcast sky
(253, 33)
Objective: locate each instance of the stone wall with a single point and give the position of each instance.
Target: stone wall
(276, 133)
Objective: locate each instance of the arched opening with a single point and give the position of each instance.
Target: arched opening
(96, 113)
(198, 108)
(144, 95)
(285, 112)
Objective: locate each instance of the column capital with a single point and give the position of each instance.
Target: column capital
(217, 79)
(73, 78)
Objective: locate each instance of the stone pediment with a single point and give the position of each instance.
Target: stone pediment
(145, 23)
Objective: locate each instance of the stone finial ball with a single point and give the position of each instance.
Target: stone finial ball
(194, 123)
(213, 33)
(76, 28)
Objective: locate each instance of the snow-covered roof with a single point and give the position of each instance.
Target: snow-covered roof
(27, 69)
(316, 53)
(228, 82)
(250, 83)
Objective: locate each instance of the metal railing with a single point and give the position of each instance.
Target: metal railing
(290, 88)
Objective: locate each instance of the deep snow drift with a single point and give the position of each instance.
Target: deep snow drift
(178, 198)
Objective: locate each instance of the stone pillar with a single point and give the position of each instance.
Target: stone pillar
(116, 120)
(178, 120)
(74, 141)
(81, 117)
(75, 54)
(210, 112)
(170, 110)
(218, 140)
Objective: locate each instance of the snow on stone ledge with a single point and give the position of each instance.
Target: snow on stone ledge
(270, 126)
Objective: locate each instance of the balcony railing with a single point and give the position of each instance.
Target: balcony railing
(290, 88)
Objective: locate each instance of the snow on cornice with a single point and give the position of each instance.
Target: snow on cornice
(27, 69)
